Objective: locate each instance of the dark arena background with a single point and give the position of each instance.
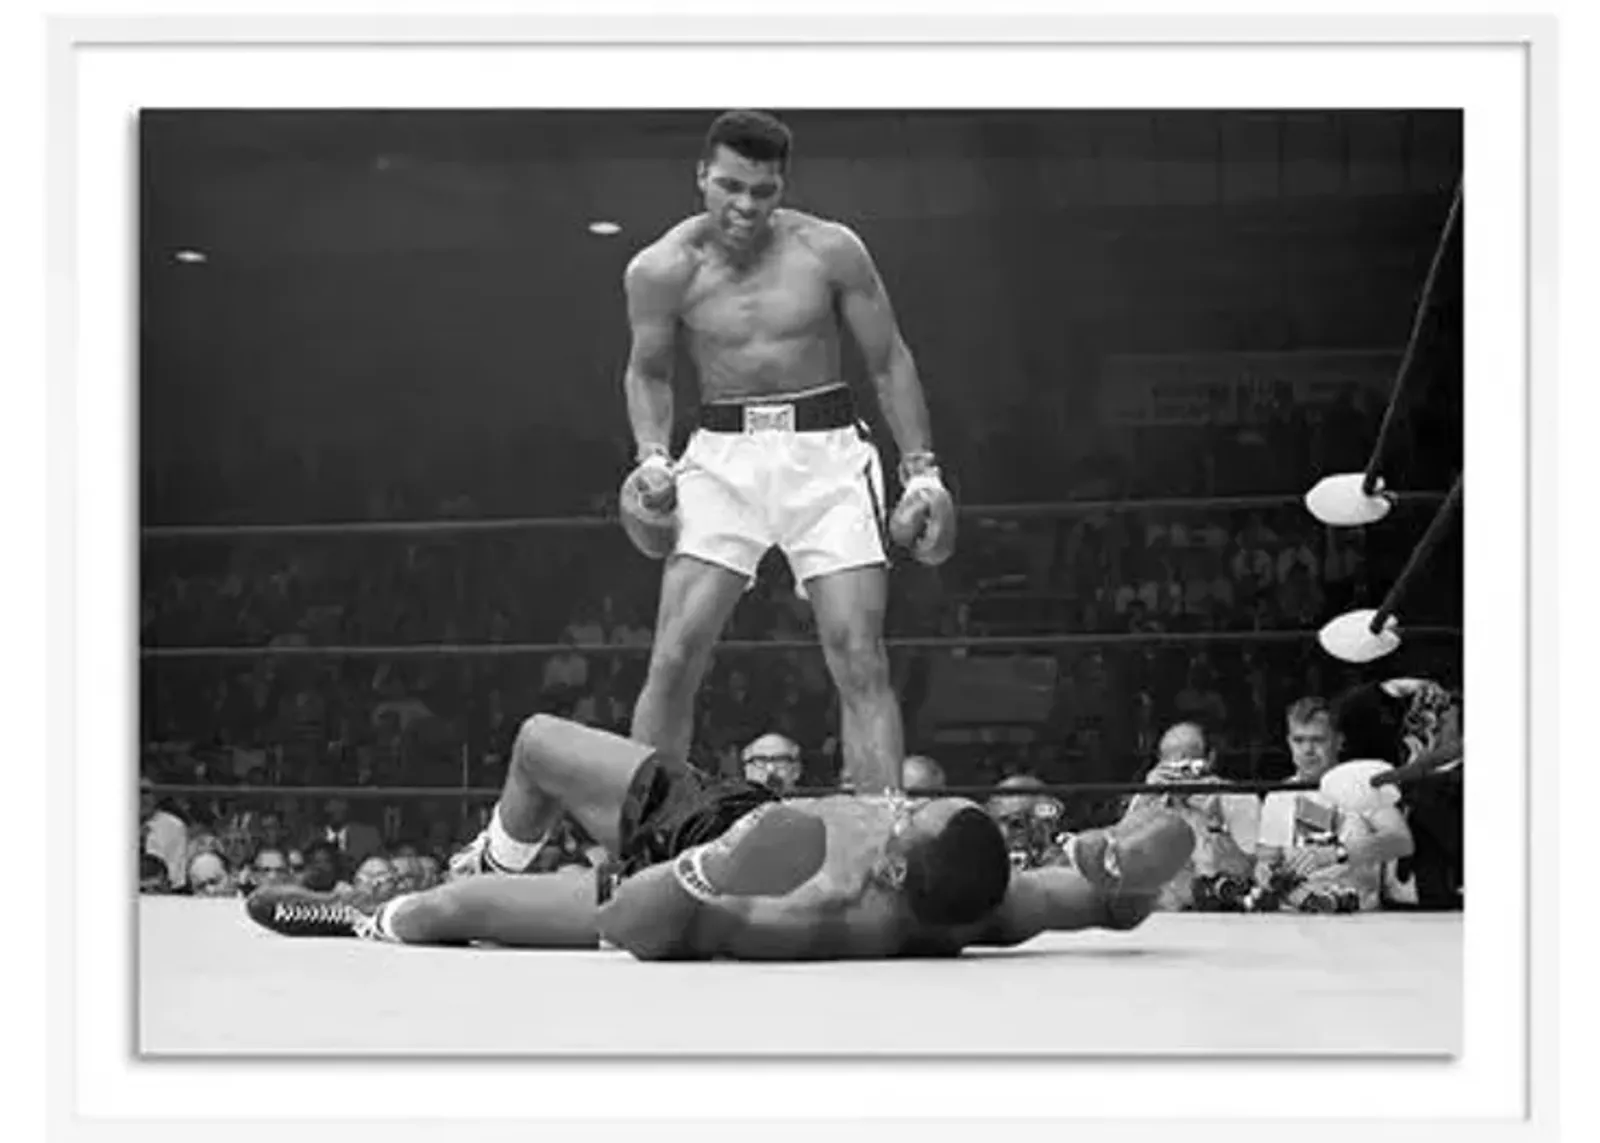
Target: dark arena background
(382, 433)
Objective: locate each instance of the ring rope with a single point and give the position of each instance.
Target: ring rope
(474, 793)
(924, 642)
(1418, 559)
(1052, 509)
(1370, 479)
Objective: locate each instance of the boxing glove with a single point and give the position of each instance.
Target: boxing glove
(1350, 787)
(771, 851)
(924, 522)
(649, 506)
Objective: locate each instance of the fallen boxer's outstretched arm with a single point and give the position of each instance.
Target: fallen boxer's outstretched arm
(1124, 867)
(1055, 899)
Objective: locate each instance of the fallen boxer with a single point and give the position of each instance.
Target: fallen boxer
(706, 870)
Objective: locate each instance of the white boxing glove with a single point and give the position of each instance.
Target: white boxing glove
(924, 522)
(649, 506)
(1349, 786)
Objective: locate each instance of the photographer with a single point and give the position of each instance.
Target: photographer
(1218, 876)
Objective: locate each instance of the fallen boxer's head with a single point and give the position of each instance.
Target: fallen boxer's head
(741, 175)
(950, 861)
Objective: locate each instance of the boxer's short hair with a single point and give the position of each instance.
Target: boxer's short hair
(759, 137)
(959, 875)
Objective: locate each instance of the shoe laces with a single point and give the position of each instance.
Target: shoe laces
(325, 913)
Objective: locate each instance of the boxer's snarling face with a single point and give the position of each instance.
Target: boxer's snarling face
(740, 195)
(1312, 746)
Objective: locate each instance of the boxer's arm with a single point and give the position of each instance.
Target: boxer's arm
(1040, 901)
(652, 289)
(651, 916)
(740, 885)
(864, 303)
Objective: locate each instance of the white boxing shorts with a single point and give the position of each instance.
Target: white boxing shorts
(816, 494)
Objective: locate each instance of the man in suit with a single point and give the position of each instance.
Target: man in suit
(355, 840)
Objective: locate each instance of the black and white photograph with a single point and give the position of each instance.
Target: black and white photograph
(788, 581)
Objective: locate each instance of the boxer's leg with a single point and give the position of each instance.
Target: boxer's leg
(697, 599)
(557, 766)
(832, 500)
(546, 910)
(722, 535)
(849, 607)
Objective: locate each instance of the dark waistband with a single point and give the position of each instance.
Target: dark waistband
(833, 408)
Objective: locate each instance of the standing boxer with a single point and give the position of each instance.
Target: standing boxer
(756, 294)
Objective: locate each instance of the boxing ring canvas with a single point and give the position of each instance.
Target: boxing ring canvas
(210, 983)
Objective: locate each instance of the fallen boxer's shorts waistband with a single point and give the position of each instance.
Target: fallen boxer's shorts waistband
(832, 408)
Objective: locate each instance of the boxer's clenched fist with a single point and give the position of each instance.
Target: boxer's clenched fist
(649, 506)
(924, 522)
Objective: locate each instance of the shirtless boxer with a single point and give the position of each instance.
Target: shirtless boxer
(728, 870)
(756, 293)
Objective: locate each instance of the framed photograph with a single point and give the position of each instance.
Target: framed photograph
(810, 555)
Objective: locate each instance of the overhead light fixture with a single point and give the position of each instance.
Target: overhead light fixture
(604, 227)
(191, 256)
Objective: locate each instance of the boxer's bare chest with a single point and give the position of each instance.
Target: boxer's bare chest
(840, 913)
(784, 295)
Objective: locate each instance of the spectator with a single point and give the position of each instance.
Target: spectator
(1252, 567)
(375, 877)
(1199, 701)
(566, 674)
(153, 874)
(1226, 826)
(270, 867)
(1031, 823)
(773, 761)
(163, 835)
(355, 841)
(734, 713)
(586, 629)
(1296, 556)
(324, 868)
(919, 772)
(1311, 855)
(208, 876)
(617, 629)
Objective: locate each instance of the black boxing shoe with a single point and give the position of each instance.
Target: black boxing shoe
(292, 911)
(1131, 861)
